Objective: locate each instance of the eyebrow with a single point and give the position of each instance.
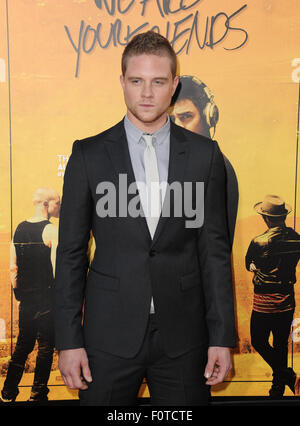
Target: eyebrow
(141, 78)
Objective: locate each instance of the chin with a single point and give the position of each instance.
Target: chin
(148, 118)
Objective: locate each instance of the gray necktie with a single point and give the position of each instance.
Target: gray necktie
(153, 207)
(152, 185)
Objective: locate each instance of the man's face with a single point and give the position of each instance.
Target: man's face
(148, 88)
(186, 114)
(54, 207)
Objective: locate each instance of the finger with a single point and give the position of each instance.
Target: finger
(78, 382)
(86, 372)
(219, 375)
(215, 378)
(214, 374)
(73, 381)
(212, 370)
(213, 381)
(67, 380)
(209, 368)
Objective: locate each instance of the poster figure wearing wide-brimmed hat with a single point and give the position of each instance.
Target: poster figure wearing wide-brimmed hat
(272, 257)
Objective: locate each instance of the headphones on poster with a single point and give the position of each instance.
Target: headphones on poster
(210, 110)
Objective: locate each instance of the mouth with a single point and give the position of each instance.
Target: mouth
(146, 105)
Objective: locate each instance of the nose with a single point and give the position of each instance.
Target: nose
(147, 90)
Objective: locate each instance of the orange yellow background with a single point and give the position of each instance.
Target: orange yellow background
(44, 108)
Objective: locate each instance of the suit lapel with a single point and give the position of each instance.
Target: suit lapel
(118, 151)
(117, 147)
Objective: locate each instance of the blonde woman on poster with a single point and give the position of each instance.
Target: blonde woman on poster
(33, 251)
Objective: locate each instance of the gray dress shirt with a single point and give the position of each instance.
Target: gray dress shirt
(137, 145)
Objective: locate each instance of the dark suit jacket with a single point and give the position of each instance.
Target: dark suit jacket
(186, 270)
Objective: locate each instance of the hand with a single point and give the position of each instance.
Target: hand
(71, 363)
(252, 267)
(218, 365)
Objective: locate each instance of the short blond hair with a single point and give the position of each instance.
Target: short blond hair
(149, 43)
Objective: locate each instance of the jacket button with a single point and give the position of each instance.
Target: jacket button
(152, 253)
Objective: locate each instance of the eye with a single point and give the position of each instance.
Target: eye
(185, 116)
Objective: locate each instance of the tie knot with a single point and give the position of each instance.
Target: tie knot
(148, 140)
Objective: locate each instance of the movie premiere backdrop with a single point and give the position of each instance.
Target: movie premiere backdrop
(59, 81)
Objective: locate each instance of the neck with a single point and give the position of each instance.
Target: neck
(275, 225)
(39, 214)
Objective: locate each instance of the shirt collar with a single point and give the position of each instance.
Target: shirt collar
(136, 134)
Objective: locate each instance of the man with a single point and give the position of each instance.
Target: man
(32, 261)
(158, 296)
(273, 257)
(194, 108)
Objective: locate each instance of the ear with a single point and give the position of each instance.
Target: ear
(122, 80)
(175, 83)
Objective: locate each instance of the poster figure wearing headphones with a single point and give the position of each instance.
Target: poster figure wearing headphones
(194, 108)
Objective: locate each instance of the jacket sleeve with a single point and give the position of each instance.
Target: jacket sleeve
(71, 257)
(214, 251)
(251, 255)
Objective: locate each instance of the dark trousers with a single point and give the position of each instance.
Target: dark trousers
(171, 381)
(279, 324)
(34, 326)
